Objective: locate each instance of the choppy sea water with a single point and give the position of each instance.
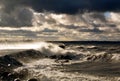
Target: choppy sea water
(60, 61)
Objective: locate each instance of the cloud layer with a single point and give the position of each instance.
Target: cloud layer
(64, 6)
(60, 19)
(20, 13)
(52, 26)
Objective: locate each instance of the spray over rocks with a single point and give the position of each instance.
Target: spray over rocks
(42, 57)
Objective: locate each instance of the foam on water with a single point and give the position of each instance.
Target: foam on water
(45, 70)
(48, 68)
(35, 45)
(49, 49)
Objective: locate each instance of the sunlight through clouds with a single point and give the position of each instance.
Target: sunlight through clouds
(69, 27)
(25, 22)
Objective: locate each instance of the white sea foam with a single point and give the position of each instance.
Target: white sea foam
(48, 69)
(49, 49)
(43, 47)
(44, 69)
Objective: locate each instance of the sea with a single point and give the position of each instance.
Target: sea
(60, 61)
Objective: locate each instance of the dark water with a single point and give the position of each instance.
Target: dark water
(60, 61)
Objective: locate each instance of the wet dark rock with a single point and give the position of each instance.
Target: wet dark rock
(28, 54)
(65, 56)
(62, 46)
(80, 47)
(4, 75)
(8, 76)
(8, 61)
(33, 79)
(23, 73)
(13, 76)
(100, 58)
(89, 58)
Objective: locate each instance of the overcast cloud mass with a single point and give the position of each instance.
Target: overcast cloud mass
(60, 19)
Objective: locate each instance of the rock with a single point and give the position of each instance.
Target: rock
(23, 73)
(4, 75)
(33, 79)
(8, 61)
(62, 46)
(28, 54)
(65, 56)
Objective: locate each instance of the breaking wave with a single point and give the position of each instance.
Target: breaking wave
(60, 51)
(37, 58)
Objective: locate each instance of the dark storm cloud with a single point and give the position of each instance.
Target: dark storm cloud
(18, 13)
(65, 6)
(20, 16)
(73, 6)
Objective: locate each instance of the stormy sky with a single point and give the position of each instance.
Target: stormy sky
(65, 6)
(60, 19)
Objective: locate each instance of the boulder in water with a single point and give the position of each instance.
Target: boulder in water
(62, 46)
(28, 54)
